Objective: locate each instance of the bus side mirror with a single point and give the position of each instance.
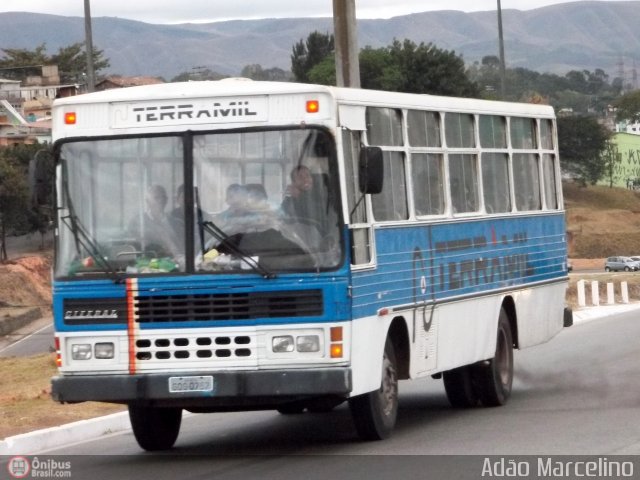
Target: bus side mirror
(40, 178)
(370, 170)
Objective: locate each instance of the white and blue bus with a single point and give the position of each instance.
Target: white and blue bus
(240, 245)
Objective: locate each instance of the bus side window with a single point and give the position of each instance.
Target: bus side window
(549, 178)
(428, 183)
(526, 181)
(391, 203)
(495, 182)
(463, 174)
(359, 225)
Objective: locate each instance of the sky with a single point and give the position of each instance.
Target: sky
(172, 11)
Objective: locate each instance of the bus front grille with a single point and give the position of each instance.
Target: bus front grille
(191, 348)
(228, 306)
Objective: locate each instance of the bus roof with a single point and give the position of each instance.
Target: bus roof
(242, 86)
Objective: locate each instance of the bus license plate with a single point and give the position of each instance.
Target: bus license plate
(190, 384)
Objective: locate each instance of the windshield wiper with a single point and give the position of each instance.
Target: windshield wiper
(219, 234)
(80, 235)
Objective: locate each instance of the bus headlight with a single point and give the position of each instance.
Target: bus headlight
(81, 351)
(308, 343)
(104, 350)
(282, 344)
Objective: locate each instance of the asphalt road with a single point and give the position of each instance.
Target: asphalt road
(32, 339)
(575, 395)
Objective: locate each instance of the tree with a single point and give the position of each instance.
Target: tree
(13, 198)
(377, 70)
(628, 107)
(25, 203)
(20, 63)
(307, 54)
(582, 142)
(71, 62)
(198, 73)
(425, 68)
(256, 72)
(324, 73)
(610, 157)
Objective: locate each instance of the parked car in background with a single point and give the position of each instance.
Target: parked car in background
(618, 264)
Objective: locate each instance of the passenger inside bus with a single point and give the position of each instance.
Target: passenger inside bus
(248, 211)
(236, 198)
(155, 229)
(304, 199)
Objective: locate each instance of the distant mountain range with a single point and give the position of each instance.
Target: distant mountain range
(555, 39)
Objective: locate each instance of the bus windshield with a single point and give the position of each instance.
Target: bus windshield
(251, 201)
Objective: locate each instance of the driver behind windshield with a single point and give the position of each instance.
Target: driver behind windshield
(155, 229)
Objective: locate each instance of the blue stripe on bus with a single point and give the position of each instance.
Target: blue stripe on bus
(434, 262)
(334, 287)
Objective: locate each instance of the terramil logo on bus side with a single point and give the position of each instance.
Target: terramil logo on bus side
(198, 111)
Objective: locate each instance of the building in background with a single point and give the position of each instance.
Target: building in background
(117, 81)
(25, 107)
(626, 171)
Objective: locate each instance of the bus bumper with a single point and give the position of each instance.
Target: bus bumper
(230, 389)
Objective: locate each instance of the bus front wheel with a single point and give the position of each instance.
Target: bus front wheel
(155, 428)
(374, 413)
(494, 377)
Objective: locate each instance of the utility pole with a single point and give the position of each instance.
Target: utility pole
(503, 81)
(91, 79)
(346, 40)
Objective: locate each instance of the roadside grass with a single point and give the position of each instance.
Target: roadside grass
(25, 397)
(600, 197)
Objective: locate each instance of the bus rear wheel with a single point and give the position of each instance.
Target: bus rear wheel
(374, 413)
(494, 377)
(155, 428)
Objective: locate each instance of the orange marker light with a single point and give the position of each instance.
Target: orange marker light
(56, 341)
(313, 106)
(70, 118)
(336, 334)
(336, 350)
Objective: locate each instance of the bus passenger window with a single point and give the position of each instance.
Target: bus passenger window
(523, 133)
(546, 134)
(428, 183)
(495, 182)
(549, 178)
(526, 181)
(424, 128)
(493, 131)
(391, 203)
(459, 130)
(463, 174)
(384, 127)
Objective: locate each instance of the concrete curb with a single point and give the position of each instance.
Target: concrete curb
(586, 314)
(10, 324)
(49, 438)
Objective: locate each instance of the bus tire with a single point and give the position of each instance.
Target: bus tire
(458, 384)
(155, 428)
(374, 413)
(494, 377)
